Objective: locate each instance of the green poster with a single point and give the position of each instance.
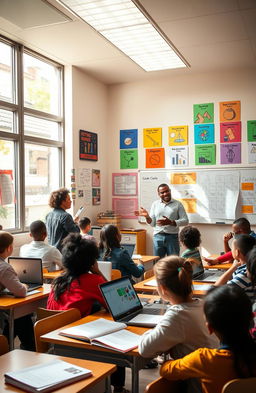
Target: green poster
(251, 130)
(203, 113)
(205, 154)
(129, 159)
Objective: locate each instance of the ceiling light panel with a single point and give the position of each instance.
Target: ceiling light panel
(123, 24)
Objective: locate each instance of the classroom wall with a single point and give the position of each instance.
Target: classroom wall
(169, 101)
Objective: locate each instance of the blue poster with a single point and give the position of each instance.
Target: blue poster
(129, 139)
(203, 133)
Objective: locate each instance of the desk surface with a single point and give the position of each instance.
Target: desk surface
(9, 301)
(54, 337)
(18, 359)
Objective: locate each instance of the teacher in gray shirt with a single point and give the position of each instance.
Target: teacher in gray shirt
(166, 216)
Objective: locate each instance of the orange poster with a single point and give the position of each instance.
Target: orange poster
(155, 158)
(189, 205)
(183, 178)
(230, 111)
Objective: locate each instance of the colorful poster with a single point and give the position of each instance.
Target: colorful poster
(251, 130)
(248, 194)
(129, 159)
(203, 133)
(230, 132)
(252, 152)
(230, 111)
(183, 178)
(203, 113)
(177, 156)
(129, 139)
(125, 184)
(88, 146)
(152, 137)
(178, 135)
(205, 154)
(155, 158)
(230, 153)
(95, 177)
(125, 207)
(96, 196)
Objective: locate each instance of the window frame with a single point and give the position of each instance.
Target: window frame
(18, 136)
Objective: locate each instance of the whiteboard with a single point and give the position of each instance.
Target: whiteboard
(208, 195)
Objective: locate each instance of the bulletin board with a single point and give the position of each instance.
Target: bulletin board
(208, 195)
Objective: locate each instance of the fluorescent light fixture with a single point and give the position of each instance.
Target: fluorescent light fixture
(125, 25)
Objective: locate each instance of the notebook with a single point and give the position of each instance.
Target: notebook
(129, 247)
(105, 268)
(125, 306)
(29, 271)
(199, 274)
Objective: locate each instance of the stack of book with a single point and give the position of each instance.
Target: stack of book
(109, 217)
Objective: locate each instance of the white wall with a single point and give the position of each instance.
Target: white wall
(169, 101)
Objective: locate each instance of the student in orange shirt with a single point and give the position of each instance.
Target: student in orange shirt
(228, 313)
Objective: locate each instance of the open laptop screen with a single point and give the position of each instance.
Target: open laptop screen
(129, 247)
(197, 269)
(29, 270)
(120, 297)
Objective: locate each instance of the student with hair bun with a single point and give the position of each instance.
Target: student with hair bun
(182, 329)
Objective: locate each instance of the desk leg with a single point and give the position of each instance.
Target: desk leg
(135, 375)
(108, 385)
(11, 329)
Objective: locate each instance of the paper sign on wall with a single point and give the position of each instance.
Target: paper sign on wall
(230, 111)
(152, 137)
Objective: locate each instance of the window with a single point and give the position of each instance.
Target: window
(31, 134)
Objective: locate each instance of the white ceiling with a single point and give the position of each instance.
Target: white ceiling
(212, 35)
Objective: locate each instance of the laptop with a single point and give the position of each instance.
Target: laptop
(199, 274)
(129, 247)
(105, 268)
(125, 306)
(29, 271)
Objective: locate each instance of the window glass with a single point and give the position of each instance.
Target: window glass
(41, 85)
(34, 126)
(7, 185)
(6, 72)
(41, 178)
(6, 120)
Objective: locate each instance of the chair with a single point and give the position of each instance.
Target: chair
(4, 347)
(246, 385)
(51, 323)
(162, 385)
(115, 274)
(42, 313)
(148, 274)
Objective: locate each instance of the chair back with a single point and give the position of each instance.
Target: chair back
(115, 274)
(4, 347)
(246, 385)
(51, 323)
(162, 385)
(148, 274)
(42, 313)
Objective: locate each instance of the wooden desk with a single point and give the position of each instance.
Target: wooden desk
(52, 275)
(148, 289)
(15, 307)
(222, 266)
(18, 359)
(84, 350)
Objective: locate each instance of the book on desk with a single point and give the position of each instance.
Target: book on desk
(46, 377)
(105, 333)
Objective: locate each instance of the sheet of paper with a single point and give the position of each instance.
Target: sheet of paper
(151, 283)
(123, 340)
(203, 287)
(146, 319)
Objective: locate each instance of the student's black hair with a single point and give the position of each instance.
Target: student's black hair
(244, 243)
(37, 229)
(251, 265)
(244, 224)
(190, 236)
(162, 185)
(78, 256)
(228, 311)
(84, 222)
(6, 240)
(109, 239)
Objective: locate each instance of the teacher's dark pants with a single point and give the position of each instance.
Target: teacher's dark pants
(166, 244)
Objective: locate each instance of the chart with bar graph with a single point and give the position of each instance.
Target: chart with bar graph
(178, 156)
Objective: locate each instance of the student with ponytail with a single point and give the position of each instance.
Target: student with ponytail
(228, 313)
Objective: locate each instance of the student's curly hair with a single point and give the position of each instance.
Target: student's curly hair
(78, 256)
(175, 273)
(6, 239)
(190, 236)
(57, 197)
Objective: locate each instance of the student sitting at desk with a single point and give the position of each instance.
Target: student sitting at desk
(85, 227)
(234, 358)
(182, 329)
(190, 238)
(237, 273)
(111, 250)
(241, 226)
(23, 327)
(50, 255)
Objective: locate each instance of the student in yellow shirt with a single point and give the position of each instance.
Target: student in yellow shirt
(228, 313)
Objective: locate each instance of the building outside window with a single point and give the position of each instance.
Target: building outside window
(31, 134)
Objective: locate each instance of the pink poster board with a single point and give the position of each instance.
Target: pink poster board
(125, 184)
(125, 207)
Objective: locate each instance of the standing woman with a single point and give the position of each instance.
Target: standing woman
(111, 250)
(59, 223)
